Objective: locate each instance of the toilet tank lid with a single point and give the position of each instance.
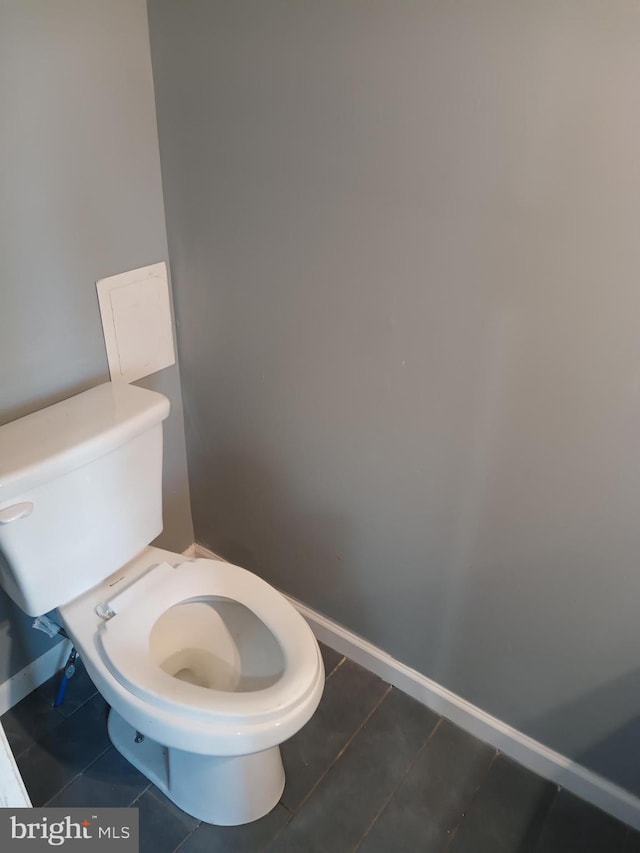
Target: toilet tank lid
(62, 437)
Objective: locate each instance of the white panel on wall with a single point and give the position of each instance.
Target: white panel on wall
(136, 320)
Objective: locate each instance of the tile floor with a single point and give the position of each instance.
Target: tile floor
(373, 771)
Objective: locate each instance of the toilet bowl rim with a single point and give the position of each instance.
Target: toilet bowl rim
(123, 641)
(208, 735)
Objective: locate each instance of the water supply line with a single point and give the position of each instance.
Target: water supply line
(52, 629)
(68, 673)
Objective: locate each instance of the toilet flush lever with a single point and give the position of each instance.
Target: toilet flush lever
(15, 511)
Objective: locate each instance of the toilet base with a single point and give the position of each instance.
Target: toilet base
(223, 790)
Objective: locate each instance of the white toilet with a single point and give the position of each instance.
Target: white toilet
(206, 667)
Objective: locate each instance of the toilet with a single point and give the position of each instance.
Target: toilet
(206, 667)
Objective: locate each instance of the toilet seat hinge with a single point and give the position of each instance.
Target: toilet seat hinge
(105, 612)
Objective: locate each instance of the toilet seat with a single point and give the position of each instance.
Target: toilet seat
(124, 641)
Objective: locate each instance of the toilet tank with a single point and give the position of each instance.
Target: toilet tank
(80, 492)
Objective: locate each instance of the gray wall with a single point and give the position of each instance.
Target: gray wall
(81, 198)
(404, 238)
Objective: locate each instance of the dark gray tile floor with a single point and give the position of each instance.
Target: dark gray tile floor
(373, 771)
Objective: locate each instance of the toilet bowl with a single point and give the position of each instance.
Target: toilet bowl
(206, 667)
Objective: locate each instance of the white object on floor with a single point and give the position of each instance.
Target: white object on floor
(202, 661)
(13, 794)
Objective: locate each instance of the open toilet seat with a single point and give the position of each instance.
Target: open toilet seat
(123, 640)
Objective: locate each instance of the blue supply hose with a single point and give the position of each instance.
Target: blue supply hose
(68, 673)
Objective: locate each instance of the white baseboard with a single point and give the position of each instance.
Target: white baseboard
(520, 747)
(530, 753)
(33, 675)
(192, 551)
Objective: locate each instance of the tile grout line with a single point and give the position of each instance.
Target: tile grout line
(137, 797)
(357, 731)
(468, 808)
(400, 781)
(140, 795)
(187, 837)
(544, 816)
(346, 745)
(269, 845)
(335, 669)
(550, 804)
(60, 719)
(77, 776)
(56, 675)
(333, 762)
(79, 708)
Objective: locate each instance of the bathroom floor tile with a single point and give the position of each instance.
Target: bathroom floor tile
(110, 781)
(250, 837)
(35, 716)
(631, 842)
(434, 794)
(349, 696)
(372, 771)
(574, 826)
(357, 786)
(163, 826)
(79, 690)
(331, 659)
(507, 813)
(61, 754)
(30, 719)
